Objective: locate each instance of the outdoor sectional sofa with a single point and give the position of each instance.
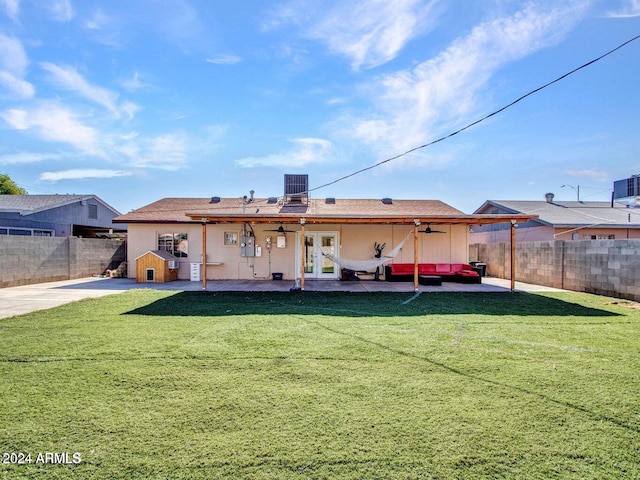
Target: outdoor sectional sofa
(455, 272)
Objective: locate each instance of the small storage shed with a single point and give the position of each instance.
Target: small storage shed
(156, 266)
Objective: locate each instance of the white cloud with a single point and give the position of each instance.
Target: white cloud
(13, 67)
(81, 173)
(224, 60)
(372, 33)
(165, 152)
(19, 87)
(68, 78)
(214, 132)
(104, 29)
(60, 10)
(306, 151)
(12, 7)
(133, 83)
(593, 174)
(22, 158)
(369, 33)
(414, 106)
(52, 122)
(629, 8)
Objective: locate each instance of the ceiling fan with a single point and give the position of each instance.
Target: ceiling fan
(428, 230)
(281, 229)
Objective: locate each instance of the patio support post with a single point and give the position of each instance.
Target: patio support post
(204, 255)
(415, 255)
(302, 255)
(513, 255)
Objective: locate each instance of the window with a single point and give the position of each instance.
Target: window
(93, 212)
(26, 232)
(174, 243)
(231, 238)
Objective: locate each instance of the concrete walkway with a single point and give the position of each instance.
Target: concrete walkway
(40, 296)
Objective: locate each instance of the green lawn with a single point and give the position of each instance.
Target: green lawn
(165, 385)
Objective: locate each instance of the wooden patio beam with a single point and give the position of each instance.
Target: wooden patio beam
(204, 255)
(302, 256)
(513, 255)
(255, 219)
(416, 258)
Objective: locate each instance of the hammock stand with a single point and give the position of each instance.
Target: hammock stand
(366, 266)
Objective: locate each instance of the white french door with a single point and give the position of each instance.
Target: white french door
(316, 265)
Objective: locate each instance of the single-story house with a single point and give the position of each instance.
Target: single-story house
(558, 220)
(58, 216)
(291, 236)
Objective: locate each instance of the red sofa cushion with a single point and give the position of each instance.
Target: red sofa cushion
(467, 273)
(402, 268)
(443, 268)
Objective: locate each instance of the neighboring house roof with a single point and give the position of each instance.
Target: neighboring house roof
(30, 204)
(179, 210)
(567, 214)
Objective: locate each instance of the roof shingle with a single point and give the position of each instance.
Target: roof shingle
(172, 210)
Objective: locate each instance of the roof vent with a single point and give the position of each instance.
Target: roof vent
(215, 200)
(296, 189)
(330, 201)
(549, 197)
(387, 201)
(272, 200)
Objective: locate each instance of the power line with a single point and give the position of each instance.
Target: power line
(370, 167)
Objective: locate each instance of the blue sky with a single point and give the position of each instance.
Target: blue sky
(193, 98)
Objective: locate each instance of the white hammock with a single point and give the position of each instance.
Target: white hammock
(366, 265)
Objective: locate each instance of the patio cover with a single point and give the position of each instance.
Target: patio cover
(303, 215)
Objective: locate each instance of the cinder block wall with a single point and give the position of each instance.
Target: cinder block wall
(604, 267)
(27, 260)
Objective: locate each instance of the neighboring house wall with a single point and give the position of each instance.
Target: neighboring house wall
(27, 260)
(598, 233)
(540, 234)
(605, 267)
(503, 234)
(356, 242)
(90, 213)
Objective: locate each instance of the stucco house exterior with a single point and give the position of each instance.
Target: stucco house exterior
(559, 220)
(253, 238)
(58, 216)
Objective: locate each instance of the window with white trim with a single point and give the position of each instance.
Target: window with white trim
(26, 232)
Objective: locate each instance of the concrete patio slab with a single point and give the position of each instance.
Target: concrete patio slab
(29, 298)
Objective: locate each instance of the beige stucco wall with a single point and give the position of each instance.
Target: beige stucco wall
(355, 242)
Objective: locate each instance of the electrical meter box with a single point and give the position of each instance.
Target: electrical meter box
(248, 246)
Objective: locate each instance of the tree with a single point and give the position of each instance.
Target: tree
(9, 187)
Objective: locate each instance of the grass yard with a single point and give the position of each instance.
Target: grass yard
(163, 385)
